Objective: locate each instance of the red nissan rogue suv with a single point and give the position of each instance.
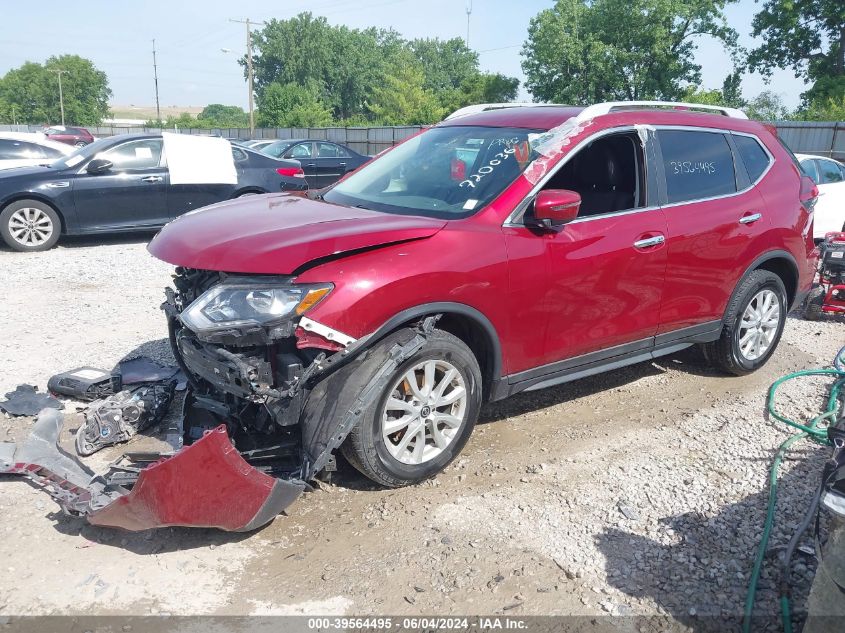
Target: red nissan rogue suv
(503, 250)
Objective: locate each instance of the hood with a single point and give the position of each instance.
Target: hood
(26, 172)
(279, 233)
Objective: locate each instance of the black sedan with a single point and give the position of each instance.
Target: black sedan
(121, 183)
(324, 162)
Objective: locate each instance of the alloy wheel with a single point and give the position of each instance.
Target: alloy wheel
(30, 226)
(759, 325)
(424, 412)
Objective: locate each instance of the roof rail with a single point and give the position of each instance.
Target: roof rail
(606, 108)
(484, 107)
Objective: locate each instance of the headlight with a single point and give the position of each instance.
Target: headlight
(242, 304)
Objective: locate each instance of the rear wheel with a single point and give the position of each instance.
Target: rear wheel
(29, 225)
(753, 325)
(423, 417)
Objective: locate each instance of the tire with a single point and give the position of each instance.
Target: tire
(366, 447)
(727, 353)
(814, 303)
(25, 215)
(80, 144)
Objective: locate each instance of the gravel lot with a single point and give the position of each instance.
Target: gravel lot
(638, 492)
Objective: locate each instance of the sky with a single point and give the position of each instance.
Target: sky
(190, 35)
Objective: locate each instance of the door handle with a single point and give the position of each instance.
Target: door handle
(650, 241)
(749, 219)
(343, 164)
(152, 179)
(311, 165)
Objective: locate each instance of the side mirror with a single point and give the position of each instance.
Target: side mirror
(555, 207)
(99, 166)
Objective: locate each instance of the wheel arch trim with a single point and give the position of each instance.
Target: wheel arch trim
(757, 264)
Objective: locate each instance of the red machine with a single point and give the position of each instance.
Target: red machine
(829, 296)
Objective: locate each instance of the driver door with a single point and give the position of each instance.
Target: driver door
(132, 194)
(304, 153)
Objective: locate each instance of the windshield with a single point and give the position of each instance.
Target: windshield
(81, 154)
(446, 172)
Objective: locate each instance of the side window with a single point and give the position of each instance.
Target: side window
(326, 150)
(238, 154)
(697, 165)
(141, 154)
(829, 172)
(302, 150)
(753, 156)
(50, 152)
(608, 174)
(11, 149)
(809, 167)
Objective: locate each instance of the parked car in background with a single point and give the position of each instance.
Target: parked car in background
(498, 252)
(829, 175)
(22, 149)
(324, 162)
(76, 136)
(121, 183)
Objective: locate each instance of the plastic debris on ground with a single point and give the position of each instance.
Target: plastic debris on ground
(25, 400)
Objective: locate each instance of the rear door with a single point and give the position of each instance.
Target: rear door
(304, 153)
(132, 194)
(714, 216)
(332, 162)
(183, 198)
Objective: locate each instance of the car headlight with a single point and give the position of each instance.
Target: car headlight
(243, 304)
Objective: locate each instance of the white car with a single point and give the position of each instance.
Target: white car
(829, 175)
(21, 149)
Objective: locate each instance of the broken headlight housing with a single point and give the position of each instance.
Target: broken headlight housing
(238, 304)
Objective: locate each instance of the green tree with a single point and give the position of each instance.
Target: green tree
(807, 36)
(830, 109)
(292, 105)
(219, 115)
(33, 90)
(490, 88)
(402, 99)
(767, 106)
(583, 51)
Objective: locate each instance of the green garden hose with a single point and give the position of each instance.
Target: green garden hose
(816, 432)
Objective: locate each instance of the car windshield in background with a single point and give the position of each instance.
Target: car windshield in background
(445, 172)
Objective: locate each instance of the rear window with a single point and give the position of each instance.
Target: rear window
(809, 167)
(753, 156)
(697, 165)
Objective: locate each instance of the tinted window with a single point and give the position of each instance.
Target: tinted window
(142, 154)
(697, 164)
(809, 167)
(303, 150)
(829, 172)
(50, 152)
(239, 154)
(330, 150)
(11, 150)
(754, 157)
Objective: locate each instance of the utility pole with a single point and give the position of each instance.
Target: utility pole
(155, 76)
(469, 13)
(249, 72)
(59, 72)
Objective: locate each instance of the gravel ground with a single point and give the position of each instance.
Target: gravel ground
(637, 492)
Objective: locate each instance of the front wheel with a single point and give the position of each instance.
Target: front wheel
(753, 325)
(423, 417)
(29, 225)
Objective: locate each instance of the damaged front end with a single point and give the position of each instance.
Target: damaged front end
(271, 395)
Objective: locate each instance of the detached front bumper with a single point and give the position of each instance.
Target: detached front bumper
(206, 484)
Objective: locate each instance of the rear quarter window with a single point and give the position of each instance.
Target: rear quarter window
(697, 165)
(753, 156)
